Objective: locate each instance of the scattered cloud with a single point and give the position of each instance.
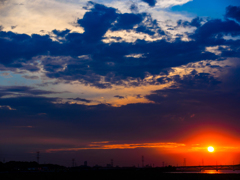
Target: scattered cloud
(82, 99)
(22, 91)
(150, 2)
(135, 55)
(6, 107)
(76, 57)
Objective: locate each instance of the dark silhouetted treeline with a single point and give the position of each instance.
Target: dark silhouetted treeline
(15, 170)
(20, 166)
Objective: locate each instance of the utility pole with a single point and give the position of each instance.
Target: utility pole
(73, 162)
(184, 162)
(142, 161)
(38, 156)
(112, 162)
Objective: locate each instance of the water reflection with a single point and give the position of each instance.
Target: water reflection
(211, 172)
(221, 172)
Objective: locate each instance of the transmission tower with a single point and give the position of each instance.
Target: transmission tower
(38, 156)
(112, 162)
(142, 161)
(184, 162)
(73, 162)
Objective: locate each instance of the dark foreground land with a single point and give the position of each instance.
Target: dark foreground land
(108, 174)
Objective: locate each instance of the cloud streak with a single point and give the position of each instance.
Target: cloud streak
(102, 145)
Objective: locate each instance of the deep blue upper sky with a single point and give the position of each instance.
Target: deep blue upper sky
(212, 8)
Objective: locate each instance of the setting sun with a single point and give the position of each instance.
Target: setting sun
(210, 149)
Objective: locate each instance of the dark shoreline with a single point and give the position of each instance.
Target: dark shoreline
(108, 174)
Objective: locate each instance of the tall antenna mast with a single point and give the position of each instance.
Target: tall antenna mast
(38, 156)
(142, 161)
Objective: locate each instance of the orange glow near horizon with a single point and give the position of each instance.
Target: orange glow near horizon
(205, 147)
(210, 146)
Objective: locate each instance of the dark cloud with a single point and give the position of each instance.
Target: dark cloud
(233, 12)
(197, 81)
(97, 21)
(13, 27)
(26, 107)
(127, 21)
(196, 22)
(61, 33)
(196, 100)
(30, 77)
(134, 8)
(119, 97)
(213, 31)
(22, 90)
(150, 2)
(149, 26)
(145, 30)
(198, 94)
(82, 99)
(21, 46)
(84, 57)
(139, 96)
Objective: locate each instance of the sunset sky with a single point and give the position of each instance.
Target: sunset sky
(120, 79)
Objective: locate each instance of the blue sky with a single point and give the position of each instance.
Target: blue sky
(118, 74)
(212, 9)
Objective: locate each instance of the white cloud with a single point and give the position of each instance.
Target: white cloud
(229, 37)
(32, 16)
(127, 36)
(136, 55)
(217, 49)
(84, 57)
(170, 3)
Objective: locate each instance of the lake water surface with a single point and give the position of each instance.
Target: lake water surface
(213, 172)
(221, 172)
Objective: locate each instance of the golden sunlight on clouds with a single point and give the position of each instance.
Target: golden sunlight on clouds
(129, 36)
(136, 94)
(129, 94)
(206, 66)
(216, 49)
(24, 14)
(108, 145)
